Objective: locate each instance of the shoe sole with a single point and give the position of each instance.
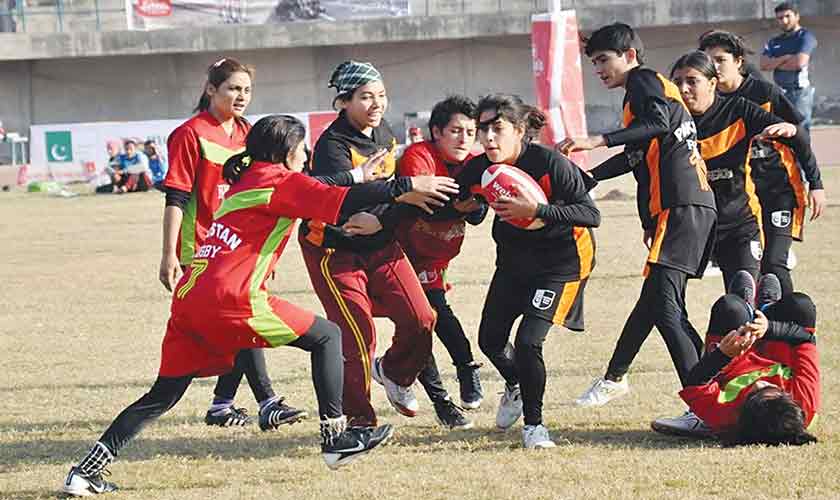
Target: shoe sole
(287, 421)
(342, 462)
(673, 431)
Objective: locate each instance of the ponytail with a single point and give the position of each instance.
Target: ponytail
(235, 166)
(535, 121)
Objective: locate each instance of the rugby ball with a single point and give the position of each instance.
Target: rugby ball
(502, 180)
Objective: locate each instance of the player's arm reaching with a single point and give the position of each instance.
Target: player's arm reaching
(763, 125)
(651, 117)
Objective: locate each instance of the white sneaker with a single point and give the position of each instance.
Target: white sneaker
(602, 391)
(712, 269)
(510, 408)
(688, 425)
(401, 398)
(536, 436)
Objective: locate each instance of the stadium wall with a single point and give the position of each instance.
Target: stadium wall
(418, 73)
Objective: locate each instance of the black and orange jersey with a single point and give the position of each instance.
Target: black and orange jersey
(343, 147)
(564, 248)
(776, 176)
(724, 134)
(660, 147)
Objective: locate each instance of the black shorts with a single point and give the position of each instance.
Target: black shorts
(683, 239)
(739, 247)
(545, 297)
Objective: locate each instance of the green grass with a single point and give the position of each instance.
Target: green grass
(82, 316)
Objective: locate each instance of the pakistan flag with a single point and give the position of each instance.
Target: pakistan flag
(59, 146)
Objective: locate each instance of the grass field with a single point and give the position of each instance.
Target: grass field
(82, 316)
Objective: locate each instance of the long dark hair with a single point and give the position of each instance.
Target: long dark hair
(217, 74)
(696, 60)
(513, 109)
(270, 140)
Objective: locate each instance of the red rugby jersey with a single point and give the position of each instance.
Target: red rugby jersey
(431, 242)
(198, 149)
(794, 369)
(248, 234)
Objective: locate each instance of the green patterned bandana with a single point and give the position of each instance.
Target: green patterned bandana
(350, 75)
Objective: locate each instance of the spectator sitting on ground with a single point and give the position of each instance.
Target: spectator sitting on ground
(135, 166)
(157, 165)
(113, 168)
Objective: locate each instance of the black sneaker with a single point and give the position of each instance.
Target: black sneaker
(769, 290)
(279, 413)
(352, 443)
(449, 415)
(228, 417)
(79, 484)
(470, 382)
(742, 284)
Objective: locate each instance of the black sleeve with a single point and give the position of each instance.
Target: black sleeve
(342, 178)
(373, 193)
(477, 217)
(177, 198)
(789, 332)
(707, 368)
(756, 120)
(651, 116)
(470, 176)
(613, 167)
(572, 205)
(330, 156)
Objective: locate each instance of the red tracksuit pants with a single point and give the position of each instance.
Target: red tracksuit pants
(353, 289)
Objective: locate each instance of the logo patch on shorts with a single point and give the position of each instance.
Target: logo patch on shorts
(543, 299)
(756, 250)
(427, 277)
(780, 218)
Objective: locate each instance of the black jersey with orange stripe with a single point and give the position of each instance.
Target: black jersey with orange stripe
(724, 134)
(565, 248)
(343, 147)
(660, 147)
(773, 177)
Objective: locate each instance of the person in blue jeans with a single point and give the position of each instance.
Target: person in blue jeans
(788, 56)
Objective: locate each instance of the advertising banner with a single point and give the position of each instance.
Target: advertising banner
(158, 14)
(558, 77)
(78, 151)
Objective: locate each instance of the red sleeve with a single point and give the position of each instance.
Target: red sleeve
(300, 196)
(184, 155)
(805, 386)
(703, 401)
(416, 160)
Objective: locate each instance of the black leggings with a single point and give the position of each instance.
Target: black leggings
(451, 333)
(251, 363)
(524, 365)
(322, 340)
(777, 243)
(661, 304)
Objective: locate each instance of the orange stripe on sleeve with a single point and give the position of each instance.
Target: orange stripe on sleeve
(723, 141)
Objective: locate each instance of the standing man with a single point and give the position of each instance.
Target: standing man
(788, 56)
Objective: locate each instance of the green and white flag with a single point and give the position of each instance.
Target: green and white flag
(59, 146)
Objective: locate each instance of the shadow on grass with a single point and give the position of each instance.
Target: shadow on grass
(491, 439)
(249, 445)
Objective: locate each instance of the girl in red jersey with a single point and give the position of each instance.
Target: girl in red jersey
(760, 382)
(431, 242)
(194, 190)
(221, 305)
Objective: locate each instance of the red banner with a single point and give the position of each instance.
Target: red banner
(558, 77)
